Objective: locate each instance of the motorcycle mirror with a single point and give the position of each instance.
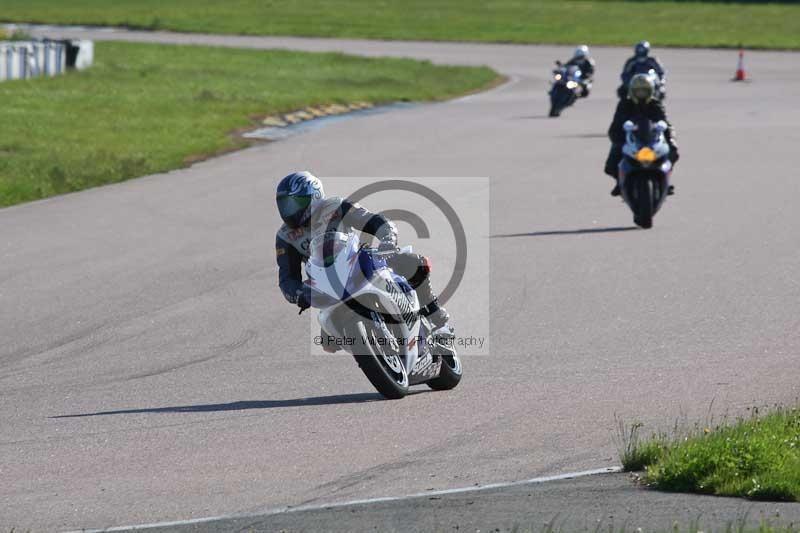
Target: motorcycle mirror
(629, 126)
(661, 126)
(558, 62)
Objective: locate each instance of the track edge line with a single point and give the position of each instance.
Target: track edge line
(366, 501)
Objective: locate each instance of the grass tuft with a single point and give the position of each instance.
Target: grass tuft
(756, 457)
(695, 525)
(635, 452)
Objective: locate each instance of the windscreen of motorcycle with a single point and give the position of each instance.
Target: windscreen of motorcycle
(332, 257)
(573, 72)
(325, 248)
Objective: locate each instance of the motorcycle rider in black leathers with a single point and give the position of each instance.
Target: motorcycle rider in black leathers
(307, 213)
(640, 103)
(641, 63)
(585, 63)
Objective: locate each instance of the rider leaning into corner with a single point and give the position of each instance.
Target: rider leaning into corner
(640, 103)
(306, 213)
(640, 63)
(585, 63)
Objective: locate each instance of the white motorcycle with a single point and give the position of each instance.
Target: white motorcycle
(371, 312)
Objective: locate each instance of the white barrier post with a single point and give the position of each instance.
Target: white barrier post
(20, 60)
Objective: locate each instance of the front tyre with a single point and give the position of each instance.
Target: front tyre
(449, 376)
(451, 371)
(384, 370)
(645, 203)
(559, 100)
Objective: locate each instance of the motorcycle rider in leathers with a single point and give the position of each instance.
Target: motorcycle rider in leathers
(307, 213)
(585, 64)
(640, 103)
(640, 63)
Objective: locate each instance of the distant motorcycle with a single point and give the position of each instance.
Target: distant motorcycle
(373, 313)
(566, 88)
(645, 169)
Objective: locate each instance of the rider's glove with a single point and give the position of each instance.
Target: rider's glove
(303, 298)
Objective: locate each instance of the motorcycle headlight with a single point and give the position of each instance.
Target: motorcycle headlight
(558, 76)
(646, 156)
(571, 85)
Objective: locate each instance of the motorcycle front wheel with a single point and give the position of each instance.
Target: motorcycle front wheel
(450, 374)
(645, 203)
(384, 370)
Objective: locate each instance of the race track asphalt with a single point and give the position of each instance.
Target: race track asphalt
(150, 308)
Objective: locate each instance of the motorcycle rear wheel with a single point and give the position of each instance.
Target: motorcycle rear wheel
(372, 359)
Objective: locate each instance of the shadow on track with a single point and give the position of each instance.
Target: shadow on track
(565, 232)
(243, 405)
(584, 136)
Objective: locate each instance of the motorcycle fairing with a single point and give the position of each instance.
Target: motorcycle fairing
(639, 136)
(332, 275)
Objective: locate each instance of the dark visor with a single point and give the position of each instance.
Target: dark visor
(292, 208)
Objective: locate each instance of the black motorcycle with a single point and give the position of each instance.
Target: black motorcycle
(645, 169)
(566, 87)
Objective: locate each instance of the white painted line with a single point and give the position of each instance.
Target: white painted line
(319, 507)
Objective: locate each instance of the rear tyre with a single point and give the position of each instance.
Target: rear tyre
(385, 371)
(645, 203)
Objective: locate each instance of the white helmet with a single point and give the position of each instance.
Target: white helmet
(581, 52)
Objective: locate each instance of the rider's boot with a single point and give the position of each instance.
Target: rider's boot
(611, 168)
(329, 347)
(439, 319)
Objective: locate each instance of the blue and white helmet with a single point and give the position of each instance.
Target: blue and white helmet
(581, 52)
(297, 195)
(642, 49)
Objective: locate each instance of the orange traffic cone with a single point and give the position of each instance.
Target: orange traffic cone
(740, 75)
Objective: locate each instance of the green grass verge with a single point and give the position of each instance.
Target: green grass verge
(693, 526)
(147, 108)
(665, 23)
(757, 458)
